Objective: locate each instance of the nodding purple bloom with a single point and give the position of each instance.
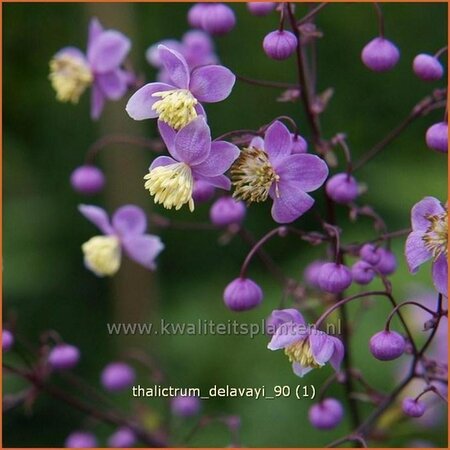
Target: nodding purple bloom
(214, 18)
(185, 406)
(7, 340)
(306, 347)
(268, 168)
(122, 438)
(280, 44)
(87, 180)
(178, 103)
(387, 345)
(429, 240)
(427, 67)
(369, 254)
(436, 137)
(380, 55)
(280, 316)
(193, 156)
(117, 376)
(81, 439)
(326, 414)
(261, 8)
(64, 357)
(311, 273)
(363, 272)
(342, 188)
(299, 144)
(387, 263)
(413, 408)
(126, 231)
(242, 294)
(227, 211)
(72, 72)
(334, 278)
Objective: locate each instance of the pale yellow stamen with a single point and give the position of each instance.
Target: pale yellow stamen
(102, 255)
(300, 352)
(436, 236)
(70, 76)
(176, 107)
(171, 185)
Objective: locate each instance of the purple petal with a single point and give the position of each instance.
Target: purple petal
(287, 334)
(212, 83)
(440, 275)
(139, 106)
(322, 347)
(168, 136)
(162, 161)
(108, 51)
(73, 52)
(95, 30)
(98, 217)
(220, 158)
(113, 84)
(415, 251)
(288, 315)
(97, 102)
(338, 354)
(308, 171)
(429, 206)
(300, 370)
(220, 181)
(175, 65)
(129, 219)
(143, 249)
(257, 142)
(277, 141)
(193, 142)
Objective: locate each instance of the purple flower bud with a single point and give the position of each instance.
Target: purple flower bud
(342, 188)
(7, 340)
(122, 438)
(218, 19)
(242, 294)
(279, 45)
(427, 67)
(117, 376)
(63, 357)
(81, 439)
(387, 345)
(387, 263)
(185, 406)
(326, 415)
(195, 15)
(362, 272)
(311, 273)
(87, 180)
(380, 55)
(412, 407)
(334, 278)
(299, 145)
(203, 191)
(437, 137)
(260, 8)
(369, 253)
(227, 211)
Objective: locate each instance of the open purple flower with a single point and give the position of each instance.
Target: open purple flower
(268, 168)
(71, 71)
(125, 232)
(193, 156)
(429, 240)
(177, 103)
(306, 347)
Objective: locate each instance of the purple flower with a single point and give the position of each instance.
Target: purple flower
(242, 294)
(412, 407)
(214, 18)
(311, 273)
(117, 376)
(81, 439)
(227, 211)
(193, 156)
(71, 71)
(326, 414)
(387, 345)
(7, 340)
(279, 44)
(177, 103)
(369, 254)
(273, 171)
(87, 180)
(280, 316)
(436, 137)
(64, 357)
(427, 67)
(342, 188)
(260, 8)
(306, 347)
(380, 55)
(122, 438)
(185, 406)
(203, 191)
(387, 263)
(429, 240)
(126, 231)
(334, 278)
(362, 272)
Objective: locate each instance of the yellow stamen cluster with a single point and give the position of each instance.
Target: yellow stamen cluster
(102, 255)
(176, 107)
(252, 175)
(70, 76)
(300, 352)
(436, 236)
(171, 185)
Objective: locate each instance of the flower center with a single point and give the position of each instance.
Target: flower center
(252, 175)
(176, 107)
(70, 76)
(171, 185)
(436, 236)
(102, 254)
(300, 352)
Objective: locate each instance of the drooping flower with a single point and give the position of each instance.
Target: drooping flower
(81, 439)
(268, 168)
(306, 347)
(123, 437)
(87, 179)
(380, 55)
(63, 357)
(327, 414)
(72, 71)
(429, 240)
(178, 103)
(227, 211)
(413, 407)
(214, 18)
(387, 345)
(242, 294)
(126, 232)
(117, 376)
(185, 406)
(279, 45)
(193, 156)
(427, 67)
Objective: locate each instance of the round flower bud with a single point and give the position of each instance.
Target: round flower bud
(437, 137)
(387, 345)
(122, 438)
(227, 211)
(387, 263)
(63, 357)
(362, 272)
(427, 67)
(334, 278)
(380, 55)
(326, 415)
(260, 8)
(195, 15)
(203, 191)
(311, 273)
(279, 45)
(81, 439)
(185, 406)
(299, 145)
(117, 376)
(342, 188)
(413, 408)
(7, 340)
(242, 294)
(369, 254)
(87, 180)
(218, 19)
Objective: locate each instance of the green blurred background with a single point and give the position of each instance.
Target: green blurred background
(47, 287)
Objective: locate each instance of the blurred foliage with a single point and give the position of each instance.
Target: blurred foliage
(46, 285)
